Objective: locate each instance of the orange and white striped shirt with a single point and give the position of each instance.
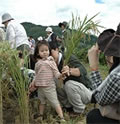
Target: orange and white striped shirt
(45, 72)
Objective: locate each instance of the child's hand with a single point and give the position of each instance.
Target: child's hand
(62, 76)
(32, 87)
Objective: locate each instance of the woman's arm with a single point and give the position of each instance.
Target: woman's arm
(109, 91)
(95, 79)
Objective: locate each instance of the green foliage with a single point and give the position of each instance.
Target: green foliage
(81, 53)
(1, 101)
(81, 50)
(102, 59)
(39, 30)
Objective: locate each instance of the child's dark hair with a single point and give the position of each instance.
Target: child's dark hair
(38, 45)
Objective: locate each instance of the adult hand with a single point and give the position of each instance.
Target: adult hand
(66, 70)
(93, 57)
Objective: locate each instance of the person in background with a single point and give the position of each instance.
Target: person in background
(65, 33)
(31, 44)
(45, 72)
(32, 41)
(51, 39)
(105, 92)
(15, 34)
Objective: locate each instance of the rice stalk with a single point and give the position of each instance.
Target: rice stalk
(79, 29)
(12, 62)
(1, 101)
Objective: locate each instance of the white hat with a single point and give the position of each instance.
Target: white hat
(6, 17)
(40, 38)
(48, 29)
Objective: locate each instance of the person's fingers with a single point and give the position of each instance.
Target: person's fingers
(93, 48)
(97, 46)
(65, 68)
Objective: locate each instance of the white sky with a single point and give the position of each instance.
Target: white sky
(51, 12)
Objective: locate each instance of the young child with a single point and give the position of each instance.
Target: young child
(45, 72)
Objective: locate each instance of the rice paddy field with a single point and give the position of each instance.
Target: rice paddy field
(15, 105)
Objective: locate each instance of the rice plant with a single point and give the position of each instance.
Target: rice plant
(79, 29)
(1, 105)
(2, 69)
(9, 60)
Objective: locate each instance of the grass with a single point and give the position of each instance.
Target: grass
(10, 62)
(102, 68)
(1, 104)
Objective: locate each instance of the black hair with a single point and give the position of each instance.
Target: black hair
(20, 54)
(30, 36)
(60, 24)
(38, 45)
(116, 62)
(31, 62)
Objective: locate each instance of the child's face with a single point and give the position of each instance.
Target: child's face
(44, 51)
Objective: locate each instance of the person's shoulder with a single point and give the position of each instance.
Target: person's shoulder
(116, 71)
(14, 24)
(74, 60)
(49, 60)
(39, 62)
